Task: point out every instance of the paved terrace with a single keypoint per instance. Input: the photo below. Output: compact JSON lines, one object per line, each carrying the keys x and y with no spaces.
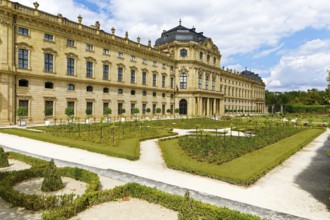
{"x":294,"y":190}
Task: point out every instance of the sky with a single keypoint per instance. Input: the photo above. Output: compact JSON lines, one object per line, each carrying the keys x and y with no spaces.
{"x":286,"y":42}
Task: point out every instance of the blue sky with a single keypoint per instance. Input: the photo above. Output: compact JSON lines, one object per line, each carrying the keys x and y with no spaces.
{"x":286,"y":42}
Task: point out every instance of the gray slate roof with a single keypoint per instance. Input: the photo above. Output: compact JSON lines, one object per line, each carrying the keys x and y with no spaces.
{"x":251,"y":75}
{"x":180,"y":33}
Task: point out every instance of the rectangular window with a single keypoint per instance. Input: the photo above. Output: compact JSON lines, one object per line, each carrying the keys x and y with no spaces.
{"x":154,"y":63}
{"x":172,"y":82}
{"x":120,"y":107}
{"x":70,"y":43}
{"x":89,"y":69}
{"x":163,"y":109}
{"x":120,"y":55}
{"x":105,"y":106}
{"x":132,"y":108}
{"x":144,"y":108}
{"x":48,"y":63}
{"x":163,"y":81}
{"x":144,"y":78}
{"x":49,"y":37}
{"x":70,"y":105}
{"x":105,"y":72}
{"x":132,"y":76}
{"x":164,"y":66}
{"x":200,"y":82}
{"x":120,"y":74}
{"x":24,"y":104}
{"x":213,"y":84}
{"x":70,"y":66}
{"x":154,"y":79}
{"x":153,"y":108}
{"x":106,"y":51}
{"x":144,"y":61}
{"x":133,"y":58}
{"x":49,"y":108}
{"x":172,"y":109}
{"x":23,"y":58}
{"x":23,"y":31}
{"x":89,"y":47}
{"x":89,"y":108}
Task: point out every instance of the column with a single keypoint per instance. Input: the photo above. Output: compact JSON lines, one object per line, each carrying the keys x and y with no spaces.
{"x":208,"y":107}
{"x":214,"y":106}
{"x":200,"y":106}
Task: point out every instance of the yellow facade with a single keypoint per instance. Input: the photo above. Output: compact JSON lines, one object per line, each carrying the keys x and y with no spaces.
{"x":49,"y":62}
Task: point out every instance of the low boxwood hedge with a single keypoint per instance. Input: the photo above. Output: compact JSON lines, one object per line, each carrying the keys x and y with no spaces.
{"x":36,"y":202}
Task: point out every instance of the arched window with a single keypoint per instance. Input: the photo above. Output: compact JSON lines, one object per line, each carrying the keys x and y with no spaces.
{"x":214,"y":60}
{"x":132,"y":92}
{"x":144,"y":93}
{"x":105,"y":90}
{"x":183,"y":53}
{"x":89,"y":89}
{"x":201,"y":55}
{"x":49,"y":85}
{"x":183,"y":81}
{"x":23,"y":83}
{"x":120,"y":91}
{"x":70,"y":87}
{"x":208,"y":58}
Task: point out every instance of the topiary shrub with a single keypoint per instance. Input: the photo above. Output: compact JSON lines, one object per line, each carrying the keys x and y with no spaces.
{"x":3,"y":158}
{"x":52,"y":181}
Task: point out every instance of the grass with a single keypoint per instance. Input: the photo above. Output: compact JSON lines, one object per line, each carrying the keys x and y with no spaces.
{"x":128,"y":148}
{"x":243,"y":170}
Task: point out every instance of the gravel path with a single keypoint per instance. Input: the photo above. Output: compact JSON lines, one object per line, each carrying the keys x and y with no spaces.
{"x":290,"y":188}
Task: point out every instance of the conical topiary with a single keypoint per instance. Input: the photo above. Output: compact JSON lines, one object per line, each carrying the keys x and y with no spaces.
{"x":52,"y":179}
{"x":3,"y":158}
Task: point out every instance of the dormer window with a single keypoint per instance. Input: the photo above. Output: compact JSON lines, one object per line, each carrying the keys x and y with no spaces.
{"x":201,"y":55}
{"x":183,"y":53}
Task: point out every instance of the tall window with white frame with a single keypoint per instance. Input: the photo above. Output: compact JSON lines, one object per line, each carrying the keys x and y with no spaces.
{"x":144,"y":78}
{"x":70,"y":66}
{"x":120,"y":74}
{"x":213,"y":83}
{"x":132,"y":108}
{"x":89,"y":108}
{"x":154,"y":79}
{"x":24,"y":104}
{"x":183,"y":81}
{"x":132,"y":76}
{"x":105,"y":72}
{"x":163,"y":81}
{"x":120,"y":108}
{"x":199,"y":81}
{"x":89,"y":69}
{"x":48,"y":62}
{"x":207,"y":82}
{"x":23,"y":58}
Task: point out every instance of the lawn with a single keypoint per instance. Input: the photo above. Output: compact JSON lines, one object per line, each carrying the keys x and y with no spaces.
{"x":243,"y":170}
{"x":128,"y":148}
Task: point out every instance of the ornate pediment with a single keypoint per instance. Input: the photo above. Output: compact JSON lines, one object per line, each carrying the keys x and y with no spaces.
{"x":49,"y":50}
{"x":209,"y":45}
{"x":24,"y":45}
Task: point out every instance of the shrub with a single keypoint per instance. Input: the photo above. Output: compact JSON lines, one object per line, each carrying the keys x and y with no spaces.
{"x":52,"y":181}
{"x":69,"y":111}
{"x":48,"y":112}
{"x":3,"y":158}
{"x":107,"y":111}
{"x":89,"y":111}
{"x":22,"y":111}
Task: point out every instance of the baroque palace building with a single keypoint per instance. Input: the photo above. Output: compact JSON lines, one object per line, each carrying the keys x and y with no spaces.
{"x":49,"y":63}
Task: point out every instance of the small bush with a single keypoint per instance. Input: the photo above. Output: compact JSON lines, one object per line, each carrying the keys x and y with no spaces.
{"x":3,"y":158}
{"x":52,"y":181}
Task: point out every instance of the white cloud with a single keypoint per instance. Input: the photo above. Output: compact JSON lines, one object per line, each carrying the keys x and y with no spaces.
{"x":302,"y":68}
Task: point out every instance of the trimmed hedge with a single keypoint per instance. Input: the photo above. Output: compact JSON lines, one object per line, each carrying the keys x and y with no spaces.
{"x":36,"y":202}
{"x":66,"y":206}
{"x":187,"y":207}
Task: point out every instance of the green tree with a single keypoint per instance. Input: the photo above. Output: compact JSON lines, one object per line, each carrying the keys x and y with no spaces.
{"x":69,"y":111}
{"x":3,"y":158}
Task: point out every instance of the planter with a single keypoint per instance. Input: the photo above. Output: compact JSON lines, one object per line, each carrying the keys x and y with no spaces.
{"x":22,"y":123}
{"x":122,"y":119}
{"x":47,"y":122}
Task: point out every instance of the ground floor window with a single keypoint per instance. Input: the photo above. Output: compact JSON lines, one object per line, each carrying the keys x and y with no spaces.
{"x":49,"y":108}
{"x":153,"y":108}
{"x":23,"y":108}
{"x":163,"y":109}
{"x":144,"y":108}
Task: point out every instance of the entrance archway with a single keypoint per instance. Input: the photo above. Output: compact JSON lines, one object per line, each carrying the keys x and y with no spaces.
{"x":183,"y":107}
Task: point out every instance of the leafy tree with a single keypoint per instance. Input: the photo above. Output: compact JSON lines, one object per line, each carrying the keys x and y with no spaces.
{"x":22,"y":111}
{"x":107,"y":111}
